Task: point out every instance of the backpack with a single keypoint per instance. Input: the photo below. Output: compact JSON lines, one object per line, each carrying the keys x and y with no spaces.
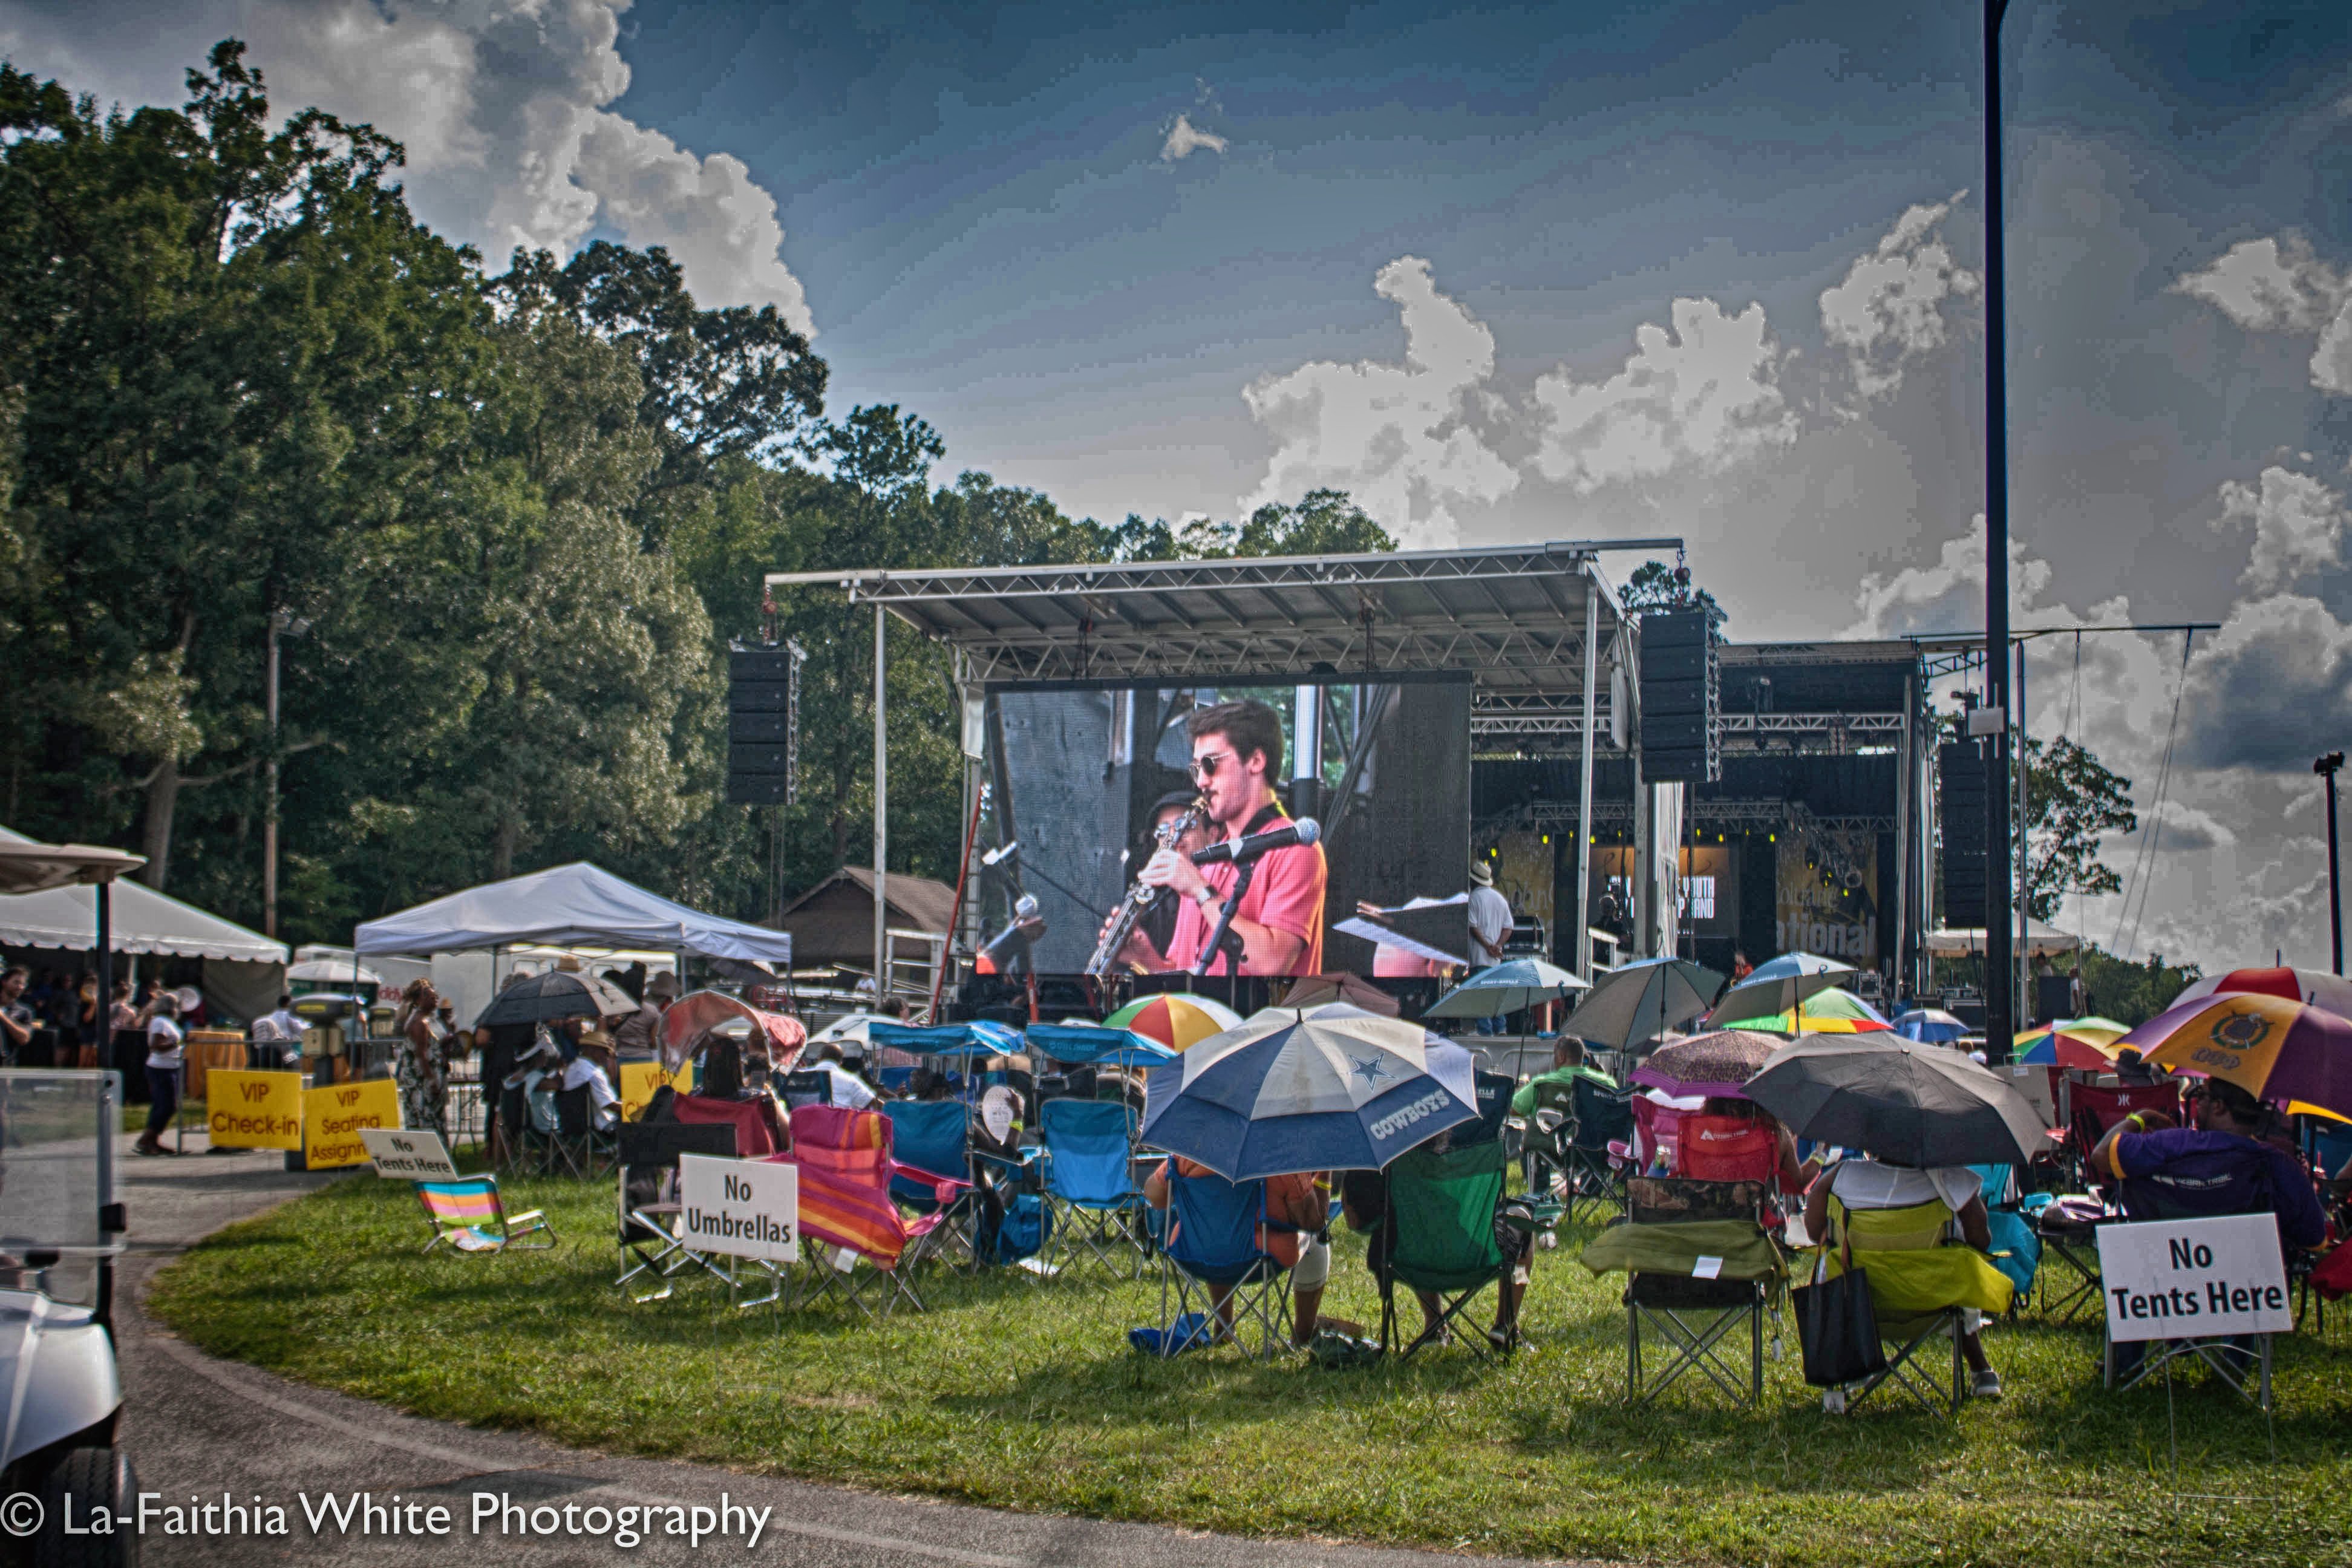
{"x":1023,"y":1233}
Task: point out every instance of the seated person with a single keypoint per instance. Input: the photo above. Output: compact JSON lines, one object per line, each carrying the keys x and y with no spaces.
{"x":1363,"y":1201}
{"x":1566,"y":1067}
{"x":2225,"y":1164}
{"x":1294,"y":1234}
{"x":581,"y":1070}
{"x":1867,"y":1183}
{"x":848,"y":1089}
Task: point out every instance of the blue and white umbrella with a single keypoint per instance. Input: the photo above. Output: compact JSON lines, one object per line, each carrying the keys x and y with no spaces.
{"x":1076,"y":1043}
{"x":1777,"y":986}
{"x":1511,"y":986}
{"x":1930,"y":1027}
{"x":1298,"y":1091}
{"x":980,"y":1038}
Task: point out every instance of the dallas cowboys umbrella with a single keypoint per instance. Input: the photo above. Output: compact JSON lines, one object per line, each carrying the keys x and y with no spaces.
{"x":1287,"y":1092}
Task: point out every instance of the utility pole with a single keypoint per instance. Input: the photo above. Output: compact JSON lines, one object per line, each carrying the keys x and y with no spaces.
{"x":282,"y":623}
{"x":2326,"y":768}
{"x":2000,"y":1006}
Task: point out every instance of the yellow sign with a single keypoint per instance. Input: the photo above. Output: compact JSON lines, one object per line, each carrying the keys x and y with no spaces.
{"x":640,"y":1079}
{"x":254,"y":1110}
{"x":332,"y":1117}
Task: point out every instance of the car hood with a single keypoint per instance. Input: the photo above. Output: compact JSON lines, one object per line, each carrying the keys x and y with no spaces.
{"x":57,"y":1373}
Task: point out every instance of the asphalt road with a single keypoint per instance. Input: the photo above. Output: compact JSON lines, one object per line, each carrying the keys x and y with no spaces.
{"x":199,"y":1429}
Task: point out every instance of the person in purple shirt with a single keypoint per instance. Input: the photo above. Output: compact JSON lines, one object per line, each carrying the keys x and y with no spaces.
{"x":2223,"y":1164}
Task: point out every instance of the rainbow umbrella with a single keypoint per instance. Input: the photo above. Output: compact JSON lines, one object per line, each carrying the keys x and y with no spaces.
{"x":1175,"y":1020}
{"x":2092,"y":1028}
{"x":2313,"y":987}
{"x":1830,"y":1012}
{"x":2271,"y":1047}
{"x":2058,"y":1044}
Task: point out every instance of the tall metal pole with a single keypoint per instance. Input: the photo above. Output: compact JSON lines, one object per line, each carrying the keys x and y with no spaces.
{"x":2326,"y":768}
{"x":2000,"y":1007}
{"x":269,"y":789}
{"x":2024,"y":876}
{"x":881,"y":812}
{"x":1584,"y":786}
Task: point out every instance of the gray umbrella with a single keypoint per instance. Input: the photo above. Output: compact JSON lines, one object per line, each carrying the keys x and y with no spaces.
{"x":1905,"y":1103}
{"x":559,"y":994}
{"x":1638,"y":1001}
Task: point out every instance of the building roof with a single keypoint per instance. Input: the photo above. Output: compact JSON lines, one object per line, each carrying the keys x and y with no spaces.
{"x":834,"y":921}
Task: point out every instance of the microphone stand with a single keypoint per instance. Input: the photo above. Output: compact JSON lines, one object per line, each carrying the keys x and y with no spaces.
{"x":1219,"y":934}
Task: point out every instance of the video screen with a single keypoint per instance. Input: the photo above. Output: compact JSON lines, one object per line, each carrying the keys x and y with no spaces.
{"x":1174,"y":815}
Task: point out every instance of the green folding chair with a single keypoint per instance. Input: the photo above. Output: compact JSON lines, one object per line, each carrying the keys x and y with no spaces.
{"x":1439,"y":1236}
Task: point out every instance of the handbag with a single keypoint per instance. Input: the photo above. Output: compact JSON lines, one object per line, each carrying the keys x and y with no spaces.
{"x":1837,"y":1327}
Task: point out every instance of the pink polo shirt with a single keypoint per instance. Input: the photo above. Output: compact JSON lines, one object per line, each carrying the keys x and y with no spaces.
{"x":1286,"y":895}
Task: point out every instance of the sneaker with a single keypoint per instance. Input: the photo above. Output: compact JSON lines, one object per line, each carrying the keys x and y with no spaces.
{"x":1988,"y":1385}
{"x":1833,"y":1402}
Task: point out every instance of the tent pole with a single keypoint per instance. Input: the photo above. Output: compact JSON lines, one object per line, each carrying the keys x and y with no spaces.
{"x":881,"y":811}
{"x":1584,"y":786}
{"x":105,"y":889}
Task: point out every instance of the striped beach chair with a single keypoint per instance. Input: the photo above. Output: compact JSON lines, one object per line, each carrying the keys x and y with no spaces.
{"x":847,"y":1217}
{"x":467,"y":1215}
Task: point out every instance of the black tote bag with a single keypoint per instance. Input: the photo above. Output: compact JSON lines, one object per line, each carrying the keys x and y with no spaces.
{"x":1837,"y":1326}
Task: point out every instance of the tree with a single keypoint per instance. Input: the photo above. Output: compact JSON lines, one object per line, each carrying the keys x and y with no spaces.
{"x":1656,"y":587}
{"x":2131,"y":993}
{"x":2071,"y":803}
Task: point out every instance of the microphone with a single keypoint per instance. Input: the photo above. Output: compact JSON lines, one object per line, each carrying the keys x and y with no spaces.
{"x":1306,"y":830}
{"x":999,"y":852}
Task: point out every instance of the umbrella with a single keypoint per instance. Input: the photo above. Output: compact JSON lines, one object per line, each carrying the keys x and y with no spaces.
{"x":2056,"y":1045}
{"x":1174,"y":1018}
{"x":2092,"y":1028}
{"x":1779,"y":986}
{"x":1510,"y":986}
{"x":1286,"y":1093}
{"x":1719,"y":1064}
{"x":1638,"y":1001}
{"x":1830,"y":1012}
{"x":1095,"y":1042}
{"x":559,"y":994}
{"x":26,"y":867}
{"x":2271,"y":1047}
{"x":2312,"y":987}
{"x":1930,"y":1025}
{"x":1905,"y":1103}
{"x":980,"y":1037}
{"x":334,"y":972}
{"x":689,"y":1021}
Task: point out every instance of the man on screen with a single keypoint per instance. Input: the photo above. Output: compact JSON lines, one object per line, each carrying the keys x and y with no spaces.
{"x":1279,"y":925}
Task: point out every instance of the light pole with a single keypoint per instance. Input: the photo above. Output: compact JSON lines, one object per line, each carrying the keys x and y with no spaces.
{"x":2326,"y":768}
{"x":282,"y":623}
{"x":2000,"y":1006}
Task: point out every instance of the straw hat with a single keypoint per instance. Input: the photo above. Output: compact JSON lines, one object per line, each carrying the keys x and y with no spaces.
{"x":1481,"y":875}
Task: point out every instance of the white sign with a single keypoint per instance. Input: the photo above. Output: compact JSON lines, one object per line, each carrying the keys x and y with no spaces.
{"x":409,"y":1156}
{"x":2194,"y":1279}
{"x":744,"y":1208}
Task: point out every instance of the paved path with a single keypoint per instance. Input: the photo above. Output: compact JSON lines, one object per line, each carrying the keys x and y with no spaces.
{"x":197,"y":1426}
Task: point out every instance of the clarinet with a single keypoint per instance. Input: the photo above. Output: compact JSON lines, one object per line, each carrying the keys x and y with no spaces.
{"x":1139,"y":898}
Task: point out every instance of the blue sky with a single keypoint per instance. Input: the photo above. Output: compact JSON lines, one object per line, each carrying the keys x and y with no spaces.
{"x":1515,"y":272}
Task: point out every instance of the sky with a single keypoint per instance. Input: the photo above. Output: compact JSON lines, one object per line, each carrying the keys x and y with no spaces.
{"x":1523,"y":272}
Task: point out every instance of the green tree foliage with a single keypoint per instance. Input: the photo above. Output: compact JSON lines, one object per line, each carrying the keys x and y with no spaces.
{"x":2071,"y":803}
{"x":1655,"y":587}
{"x":2131,"y":993}
{"x":508,"y":526}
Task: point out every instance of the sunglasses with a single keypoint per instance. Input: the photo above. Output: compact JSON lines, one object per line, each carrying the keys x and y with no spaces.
{"x":1205,"y":767}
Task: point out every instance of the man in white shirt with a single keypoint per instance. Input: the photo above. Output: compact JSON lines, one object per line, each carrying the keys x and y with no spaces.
{"x":848,"y":1089}
{"x":1490,"y":916}
{"x":277,"y":1038}
{"x":165,"y":1052}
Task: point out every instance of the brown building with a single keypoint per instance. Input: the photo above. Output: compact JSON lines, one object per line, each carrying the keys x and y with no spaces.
{"x":833,"y":922}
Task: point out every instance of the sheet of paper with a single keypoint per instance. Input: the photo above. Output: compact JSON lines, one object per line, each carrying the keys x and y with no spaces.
{"x":1373,"y":931}
{"x":1706,"y":1269}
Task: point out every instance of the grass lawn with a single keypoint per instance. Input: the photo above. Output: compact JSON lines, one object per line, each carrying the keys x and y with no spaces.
{"x":1020,"y":1396}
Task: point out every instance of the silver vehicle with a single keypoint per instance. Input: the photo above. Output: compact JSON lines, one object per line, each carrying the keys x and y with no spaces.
{"x":60,"y":1232}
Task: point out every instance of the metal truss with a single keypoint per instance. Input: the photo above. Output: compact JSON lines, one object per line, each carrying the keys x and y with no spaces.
{"x":1540,"y":657}
{"x":1715,"y":815}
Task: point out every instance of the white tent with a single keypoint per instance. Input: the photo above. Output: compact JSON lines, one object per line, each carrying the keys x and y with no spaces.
{"x":577,"y":905}
{"x":1969,"y":942}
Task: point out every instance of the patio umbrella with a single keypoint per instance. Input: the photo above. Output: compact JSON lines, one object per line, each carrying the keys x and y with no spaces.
{"x":1906,"y":1103}
{"x":1095,"y":1042}
{"x":1778,"y":986}
{"x":333,"y":972}
{"x":1830,"y":1012}
{"x":1719,"y":1064}
{"x":1284,"y":1093}
{"x":557,"y":994}
{"x":1510,"y":986}
{"x":1640,"y":1000}
{"x":2057,"y":1045}
{"x":980,"y":1037}
{"x":2273,"y":1047}
{"x":1930,"y":1025}
{"x":2092,"y":1028}
{"x":2312,"y":987}
{"x":1174,"y":1018}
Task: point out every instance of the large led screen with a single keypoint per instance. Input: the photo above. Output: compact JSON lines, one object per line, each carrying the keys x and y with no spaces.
{"x":1085,"y":783}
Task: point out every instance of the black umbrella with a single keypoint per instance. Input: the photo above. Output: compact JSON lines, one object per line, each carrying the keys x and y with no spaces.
{"x":1909,"y":1104}
{"x":559,"y":994}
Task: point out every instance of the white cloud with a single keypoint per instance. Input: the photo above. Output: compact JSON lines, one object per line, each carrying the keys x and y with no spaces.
{"x":2272,"y":689}
{"x":1184,"y":139}
{"x":2299,"y":526}
{"x":1396,"y":437}
{"x":1704,"y":393}
{"x":2281,"y":286}
{"x":1950,"y":594}
{"x":1889,"y":309}
{"x":504,"y":108}
{"x":2187,"y":826}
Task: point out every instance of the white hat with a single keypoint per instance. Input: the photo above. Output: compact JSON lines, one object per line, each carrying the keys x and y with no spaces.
{"x":1481,"y":875}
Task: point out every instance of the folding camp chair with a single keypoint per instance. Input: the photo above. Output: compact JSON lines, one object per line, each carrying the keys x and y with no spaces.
{"x":806,"y":1088}
{"x":1438,"y":1235}
{"x":1093,"y":1207}
{"x":1595,"y":1186}
{"x":1695,"y":1225}
{"x":846,"y":1210}
{"x":1223,"y":1285}
{"x":2243,"y":1361}
{"x":647,"y":1198}
{"x":467,"y":1216}
{"x":930,"y":1139}
{"x":1908,"y":1333}
{"x":577,"y":1147}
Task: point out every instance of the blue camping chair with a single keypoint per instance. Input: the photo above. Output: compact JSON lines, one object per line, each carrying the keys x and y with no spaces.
{"x":933,"y":1136}
{"x":2016,"y":1248}
{"x":1223,"y":1285}
{"x":1091,"y":1187}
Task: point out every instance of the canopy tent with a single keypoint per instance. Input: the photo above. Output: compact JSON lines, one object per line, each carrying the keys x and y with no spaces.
{"x":578,"y":905}
{"x":243,"y":969}
{"x":1969,"y":942}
